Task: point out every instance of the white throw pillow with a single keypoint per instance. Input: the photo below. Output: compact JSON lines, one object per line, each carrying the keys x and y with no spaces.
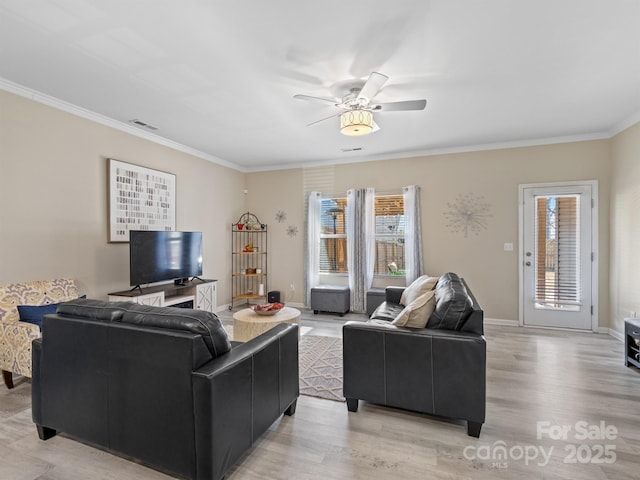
{"x":419,"y":286}
{"x":418,"y":312}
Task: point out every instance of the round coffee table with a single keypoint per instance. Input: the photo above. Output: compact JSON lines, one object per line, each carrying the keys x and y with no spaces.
{"x":247,"y":324}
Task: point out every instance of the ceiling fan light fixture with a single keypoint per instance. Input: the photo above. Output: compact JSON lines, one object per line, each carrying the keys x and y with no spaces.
{"x":356,"y":122}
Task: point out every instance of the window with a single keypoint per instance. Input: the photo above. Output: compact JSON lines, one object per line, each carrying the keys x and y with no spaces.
{"x":333,"y":235}
{"x":390,"y":226}
{"x":558,"y":252}
{"x":390,"y":223}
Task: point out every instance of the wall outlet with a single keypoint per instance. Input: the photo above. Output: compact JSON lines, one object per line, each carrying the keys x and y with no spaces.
{"x":292,"y":287}
{"x":508,"y":247}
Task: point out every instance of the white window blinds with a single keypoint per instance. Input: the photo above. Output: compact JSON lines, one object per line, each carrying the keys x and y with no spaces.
{"x":557,"y":252}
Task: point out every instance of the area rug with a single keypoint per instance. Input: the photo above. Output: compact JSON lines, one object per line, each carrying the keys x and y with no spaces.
{"x":321,"y":367}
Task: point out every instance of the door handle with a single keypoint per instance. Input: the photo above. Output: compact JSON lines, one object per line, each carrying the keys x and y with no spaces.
{"x":528,"y":264}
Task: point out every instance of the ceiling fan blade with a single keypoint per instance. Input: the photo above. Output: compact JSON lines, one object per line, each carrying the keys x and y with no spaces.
{"x":398,"y":106}
{"x":371,"y":88}
{"x":326,"y":101}
{"x":323,"y":119}
{"x":375,"y":128}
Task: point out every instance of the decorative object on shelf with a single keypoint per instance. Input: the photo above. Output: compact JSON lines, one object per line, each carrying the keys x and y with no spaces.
{"x":281,"y":216}
{"x":468,"y":213}
{"x":140,"y":198}
{"x":249,"y":274}
{"x":292,"y":231}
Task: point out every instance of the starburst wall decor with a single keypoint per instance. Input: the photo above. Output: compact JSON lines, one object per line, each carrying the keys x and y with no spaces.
{"x":281,"y":216}
{"x":469,"y":213}
{"x":292,"y":230}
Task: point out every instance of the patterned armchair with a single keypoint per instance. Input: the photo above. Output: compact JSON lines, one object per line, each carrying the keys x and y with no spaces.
{"x":16,"y":336}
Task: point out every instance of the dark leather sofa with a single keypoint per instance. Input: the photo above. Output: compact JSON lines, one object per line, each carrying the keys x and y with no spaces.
{"x":439,"y":370}
{"x":163,"y":386}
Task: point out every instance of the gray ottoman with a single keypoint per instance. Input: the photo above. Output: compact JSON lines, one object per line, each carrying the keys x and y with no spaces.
{"x":330,"y":298}
{"x":375,"y":297}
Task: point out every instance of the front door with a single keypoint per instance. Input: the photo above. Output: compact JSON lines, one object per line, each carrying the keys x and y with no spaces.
{"x":557,"y":256}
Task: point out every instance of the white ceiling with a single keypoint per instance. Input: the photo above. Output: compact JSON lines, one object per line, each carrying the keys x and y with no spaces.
{"x":218,"y":77}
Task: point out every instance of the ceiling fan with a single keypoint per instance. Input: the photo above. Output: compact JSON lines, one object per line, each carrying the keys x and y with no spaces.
{"x":357,"y":115}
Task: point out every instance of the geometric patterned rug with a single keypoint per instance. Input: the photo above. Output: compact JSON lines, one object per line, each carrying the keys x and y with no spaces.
{"x":320,"y":363}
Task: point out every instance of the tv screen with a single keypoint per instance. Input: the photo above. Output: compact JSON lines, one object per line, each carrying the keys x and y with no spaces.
{"x":155,"y":256}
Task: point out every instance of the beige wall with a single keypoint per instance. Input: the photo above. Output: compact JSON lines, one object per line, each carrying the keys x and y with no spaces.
{"x":53,"y":197}
{"x":269,"y":193}
{"x":625,"y":227}
{"x":53,"y":191}
{"x":494,"y":175}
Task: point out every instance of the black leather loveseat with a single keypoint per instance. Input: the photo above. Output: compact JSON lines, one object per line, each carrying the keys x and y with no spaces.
{"x":440,"y":369}
{"x":163,"y":386}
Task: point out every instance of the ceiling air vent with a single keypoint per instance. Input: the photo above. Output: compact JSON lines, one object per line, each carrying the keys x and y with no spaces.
{"x":356,"y":149}
{"x":140,"y":123}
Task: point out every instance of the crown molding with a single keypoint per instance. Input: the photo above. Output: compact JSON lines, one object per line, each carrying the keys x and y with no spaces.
{"x":50,"y":101}
{"x":130,"y":129}
{"x":440,"y":151}
{"x":624,"y":124}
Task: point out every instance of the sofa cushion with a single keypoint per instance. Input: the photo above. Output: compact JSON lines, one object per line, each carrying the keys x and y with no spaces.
{"x":386,"y":311}
{"x":453,"y":303}
{"x":418,"y":287}
{"x":417,"y":313}
{"x":197,"y":321}
{"x":94,"y":309}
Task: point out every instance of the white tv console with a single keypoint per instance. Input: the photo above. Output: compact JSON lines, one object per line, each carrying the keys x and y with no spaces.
{"x":201,"y":292}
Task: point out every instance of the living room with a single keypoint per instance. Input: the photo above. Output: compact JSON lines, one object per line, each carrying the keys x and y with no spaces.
{"x":53,"y":170}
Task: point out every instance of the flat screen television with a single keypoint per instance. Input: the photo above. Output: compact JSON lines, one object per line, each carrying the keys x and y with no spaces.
{"x":155,"y":256}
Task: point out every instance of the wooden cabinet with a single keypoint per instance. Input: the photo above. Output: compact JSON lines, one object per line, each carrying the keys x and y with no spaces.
{"x":249,"y":275}
{"x":197,"y":294}
{"x":206,"y":298}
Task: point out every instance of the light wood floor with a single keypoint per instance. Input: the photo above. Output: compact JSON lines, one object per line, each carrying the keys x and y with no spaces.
{"x":533,"y":376}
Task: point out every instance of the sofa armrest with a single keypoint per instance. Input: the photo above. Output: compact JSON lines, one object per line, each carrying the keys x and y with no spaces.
{"x":432,"y":371}
{"x":238,"y":395}
{"x":393,"y":294}
{"x":15,"y":346}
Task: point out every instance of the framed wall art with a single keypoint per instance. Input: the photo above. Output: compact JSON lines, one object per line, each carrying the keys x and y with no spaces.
{"x":140,"y":198}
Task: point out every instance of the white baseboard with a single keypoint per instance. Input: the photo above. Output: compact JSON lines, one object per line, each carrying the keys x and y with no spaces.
{"x":514,"y":323}
{"x":295,"y":305}
{"x":500,"y":321}
{"x":616,"y":334}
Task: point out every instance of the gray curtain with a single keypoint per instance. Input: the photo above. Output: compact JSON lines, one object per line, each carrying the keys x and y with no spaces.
{"x":356,"y":248}
{"x":413,"y":233}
